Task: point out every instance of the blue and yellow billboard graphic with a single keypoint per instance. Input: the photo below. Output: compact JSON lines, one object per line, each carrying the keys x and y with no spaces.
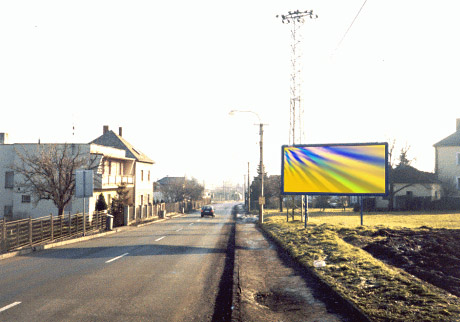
{"x":335,"y":169}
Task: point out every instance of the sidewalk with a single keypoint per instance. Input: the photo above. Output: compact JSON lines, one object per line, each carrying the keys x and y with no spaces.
{"x":52,"y":244}
{"x":270,"y":287}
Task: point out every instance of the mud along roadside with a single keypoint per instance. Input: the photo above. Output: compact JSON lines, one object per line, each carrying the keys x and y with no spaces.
{"x":270,"y":286}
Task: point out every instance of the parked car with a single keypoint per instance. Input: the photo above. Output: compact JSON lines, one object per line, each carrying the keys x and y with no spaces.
{"x":207,"y":211}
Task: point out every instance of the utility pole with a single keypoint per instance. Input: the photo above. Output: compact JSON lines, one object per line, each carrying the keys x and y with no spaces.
{"x":261,"y":196}
{"x":261,"y":173}
{"x":249,"y":192}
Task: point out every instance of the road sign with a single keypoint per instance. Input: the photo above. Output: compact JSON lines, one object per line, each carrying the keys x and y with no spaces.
{"x":84,"y":183}
{"x":261,"y":200}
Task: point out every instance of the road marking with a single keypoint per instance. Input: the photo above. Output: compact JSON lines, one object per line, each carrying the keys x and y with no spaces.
{"x":9,"y":306}
{"x":180,"y":229}
{"x":118,"y":257}
{"x":190,"y":224}
{"x":160,"y":238}
{"x":199,"y":220}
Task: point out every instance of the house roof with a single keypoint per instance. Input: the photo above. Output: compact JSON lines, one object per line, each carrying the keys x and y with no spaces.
{"x":451,"y":140}
{"x":111,"y":139}
{"x":170,"y":180}
{"x":408,"y":174}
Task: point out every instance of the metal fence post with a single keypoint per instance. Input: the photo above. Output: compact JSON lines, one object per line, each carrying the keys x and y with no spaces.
{"x":41,"y":228}
{"x":30,"y":231}
{"x":17,"y":234}
{"x":4,"y":246}
{"x":52,"y":226}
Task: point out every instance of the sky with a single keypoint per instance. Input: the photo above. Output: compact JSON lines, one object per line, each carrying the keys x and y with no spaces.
{"x":169,"y":73}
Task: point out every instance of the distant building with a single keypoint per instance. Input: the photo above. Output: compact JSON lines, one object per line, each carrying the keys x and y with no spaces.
{"x":117,"y":162}
{"x":447,"y":162}
{"x":163,"y":183}
{"x":412,"y":188}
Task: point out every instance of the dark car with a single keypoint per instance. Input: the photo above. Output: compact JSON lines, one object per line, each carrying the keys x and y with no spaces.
{"x":207,"y":211}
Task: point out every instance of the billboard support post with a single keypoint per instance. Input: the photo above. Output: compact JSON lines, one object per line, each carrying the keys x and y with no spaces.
{"x":361,"y":201}
{"x":287,"y":214}
{"x":306,"y":211}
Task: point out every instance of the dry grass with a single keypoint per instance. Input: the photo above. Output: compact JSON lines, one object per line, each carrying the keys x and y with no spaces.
{"x":383,"y":292}
{"x":409,"y":219}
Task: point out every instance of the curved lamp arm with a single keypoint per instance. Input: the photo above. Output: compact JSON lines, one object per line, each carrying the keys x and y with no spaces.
{"x":232,"y":112}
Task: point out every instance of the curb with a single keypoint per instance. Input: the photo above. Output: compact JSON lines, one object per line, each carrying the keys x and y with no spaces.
{"x":37,"y":248}
{"x":236,"y":313}
{"x":349,"y":305}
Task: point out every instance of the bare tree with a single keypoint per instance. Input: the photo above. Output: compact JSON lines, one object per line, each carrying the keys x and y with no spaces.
{"x":403,"y":160}
{"x":48,"y":173}
{"x":193,"y":189}
{"x":180,"y":189}
{"x":173,"y":191}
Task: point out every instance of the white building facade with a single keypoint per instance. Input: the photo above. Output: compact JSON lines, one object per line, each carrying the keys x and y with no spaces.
{"x":113,"y":165}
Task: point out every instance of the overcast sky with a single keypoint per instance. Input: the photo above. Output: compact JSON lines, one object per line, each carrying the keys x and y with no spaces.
{"x":169,"y":72}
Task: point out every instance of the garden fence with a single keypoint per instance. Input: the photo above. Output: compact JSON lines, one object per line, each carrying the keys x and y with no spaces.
{"x":33,"y":231}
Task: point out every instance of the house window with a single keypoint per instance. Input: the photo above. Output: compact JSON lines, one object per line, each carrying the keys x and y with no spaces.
{"x":142,"y":199}
{"x":148,"y":178}
{"x":458,"y":158}
{"x":9,"y":179}
{"x":25,"y":198}
{"x":142,"y":175}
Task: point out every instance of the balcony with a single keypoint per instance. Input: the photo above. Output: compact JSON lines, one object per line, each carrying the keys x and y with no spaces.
{"x":110,"y":181}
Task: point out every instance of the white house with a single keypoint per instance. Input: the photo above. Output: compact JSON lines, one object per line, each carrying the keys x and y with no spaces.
{"x":447,"y":161}
{"x":116,"y":162}
{"x":141,"y":168}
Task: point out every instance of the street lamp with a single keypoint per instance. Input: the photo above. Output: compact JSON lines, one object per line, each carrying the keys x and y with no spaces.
{"x":261,"y":170}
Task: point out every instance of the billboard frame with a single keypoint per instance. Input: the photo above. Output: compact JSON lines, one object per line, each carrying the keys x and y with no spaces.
{"x":385,"y":144}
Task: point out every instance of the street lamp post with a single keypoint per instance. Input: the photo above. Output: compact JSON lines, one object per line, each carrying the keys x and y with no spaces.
{"x":261,"y":169}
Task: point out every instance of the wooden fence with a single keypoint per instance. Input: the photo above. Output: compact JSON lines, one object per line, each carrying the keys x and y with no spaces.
{"x":29,"y":232}
{"x":150,"y":212}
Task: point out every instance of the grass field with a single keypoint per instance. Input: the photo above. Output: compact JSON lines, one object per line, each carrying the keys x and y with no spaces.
{"x":407,"y":219}
{"x":382,"y":291}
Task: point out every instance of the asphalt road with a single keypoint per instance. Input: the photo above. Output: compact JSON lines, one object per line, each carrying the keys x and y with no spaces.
{"x":175,"y":270}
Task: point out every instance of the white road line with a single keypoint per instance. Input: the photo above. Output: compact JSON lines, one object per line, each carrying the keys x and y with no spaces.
{"x":160,"y":238}
{"x":199,"y":220}
{"x":9,"y":306}
{"x":180,"y":229}
{"x":114,"y":259}
{"x":190,"y":224}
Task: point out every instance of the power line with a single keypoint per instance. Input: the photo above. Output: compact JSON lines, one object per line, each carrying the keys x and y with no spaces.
{"x":349,"y":27}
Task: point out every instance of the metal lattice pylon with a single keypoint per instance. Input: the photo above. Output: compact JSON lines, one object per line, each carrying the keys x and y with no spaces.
{"x":296,"y":110}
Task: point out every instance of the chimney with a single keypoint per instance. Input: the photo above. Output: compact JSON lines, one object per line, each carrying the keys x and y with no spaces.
{"x":120,"y":131}
{"x":105,"y":129}
{"x":458,"y":124}
{"x":3,"y":138}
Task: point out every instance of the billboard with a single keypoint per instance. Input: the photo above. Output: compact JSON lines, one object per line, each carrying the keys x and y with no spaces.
{"x":335,"y":169}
